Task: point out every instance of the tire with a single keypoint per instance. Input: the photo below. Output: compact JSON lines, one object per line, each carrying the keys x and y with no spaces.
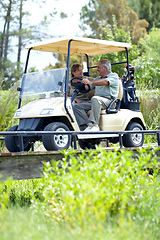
{"x":56,"y":142}
{"x":113,"y":140}
{"x":135,"y":139}
{"x":84,"y":144}
{"x":12,"y":142}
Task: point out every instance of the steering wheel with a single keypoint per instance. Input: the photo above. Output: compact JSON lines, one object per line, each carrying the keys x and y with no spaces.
{"x":79,"y":85}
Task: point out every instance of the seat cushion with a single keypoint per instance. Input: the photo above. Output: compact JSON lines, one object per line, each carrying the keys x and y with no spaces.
{"x":103,"y":112}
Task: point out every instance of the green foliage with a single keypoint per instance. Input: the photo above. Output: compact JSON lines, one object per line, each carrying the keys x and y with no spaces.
{"x":8,"y":106}
{"x":119,"y":35}
{"x":98,"y":186}
{"x":95,"y":195}
{"x":21,"y":193}
{"x":145,"y":54}
{"x":150,"y":109}
{"x":9,"y":73}
{"x":147,"y":9}
{"x":148,"y":75}
{"x":24,"y":223}
{"x":97,"y":14}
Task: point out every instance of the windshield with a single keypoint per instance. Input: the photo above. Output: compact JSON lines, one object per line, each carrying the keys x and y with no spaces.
{"x":43,"y":84}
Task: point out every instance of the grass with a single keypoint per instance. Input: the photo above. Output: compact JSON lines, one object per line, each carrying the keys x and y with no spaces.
{"x":150,"y":108}
{"x":98,"y":195}
{"x":24,"y":224}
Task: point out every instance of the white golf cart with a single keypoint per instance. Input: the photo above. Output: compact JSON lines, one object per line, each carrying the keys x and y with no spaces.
{"x":45,"y":106}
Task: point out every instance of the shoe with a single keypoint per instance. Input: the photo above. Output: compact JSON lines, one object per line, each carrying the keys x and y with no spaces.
{"x":95,"y":128}
{"x":90,"y":125}
{"x":87,"y":129}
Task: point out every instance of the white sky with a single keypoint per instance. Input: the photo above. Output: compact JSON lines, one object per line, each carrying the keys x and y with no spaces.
{"x":61,"y":27}
{"x":58,"y":27}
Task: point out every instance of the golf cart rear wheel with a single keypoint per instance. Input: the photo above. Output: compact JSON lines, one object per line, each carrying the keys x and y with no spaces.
{"x":12,"y":142}
{"x":135,"y":139}
{"x":56,"y":142}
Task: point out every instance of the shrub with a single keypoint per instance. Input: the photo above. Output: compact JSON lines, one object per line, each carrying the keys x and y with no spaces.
{"x":94,"y":193}
{"x":148,"y":75}
{"x":8,"y":106}
{"x":98,"y":186}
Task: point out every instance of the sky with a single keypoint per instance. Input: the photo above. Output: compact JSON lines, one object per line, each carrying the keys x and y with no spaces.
{"x":62,"y":27}
{"x":58,"y":27}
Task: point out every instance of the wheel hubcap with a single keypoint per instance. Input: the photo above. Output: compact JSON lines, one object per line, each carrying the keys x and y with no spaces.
{"x":61,"y":140}
{"x":136,"y":137}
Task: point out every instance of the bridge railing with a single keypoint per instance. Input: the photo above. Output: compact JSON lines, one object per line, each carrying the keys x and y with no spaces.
{"x":22,"y":134}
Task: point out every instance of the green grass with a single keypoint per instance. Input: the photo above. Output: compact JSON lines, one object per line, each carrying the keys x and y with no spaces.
{"x":24,"y":224}
{"x":150,"y":108}
{"x":98,"y":195}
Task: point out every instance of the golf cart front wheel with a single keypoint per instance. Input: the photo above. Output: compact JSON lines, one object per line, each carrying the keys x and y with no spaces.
{"x":12,"y":142}
{"x":135,"y":139}
{"x":56,"y":142}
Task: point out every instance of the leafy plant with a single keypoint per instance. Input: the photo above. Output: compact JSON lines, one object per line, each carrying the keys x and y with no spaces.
{"x":98,"y":186}
{"x":94,"y":195}
{"x":148,"y":75}
{"x":8,"y":106}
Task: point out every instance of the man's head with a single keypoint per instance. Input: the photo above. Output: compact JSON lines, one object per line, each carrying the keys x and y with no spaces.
{"x":104,"y":67}
{"x":76,"y":70}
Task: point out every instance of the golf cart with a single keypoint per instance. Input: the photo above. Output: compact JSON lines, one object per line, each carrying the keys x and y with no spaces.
{"x":44,"y":104}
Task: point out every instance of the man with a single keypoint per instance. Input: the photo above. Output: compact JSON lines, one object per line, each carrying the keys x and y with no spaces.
{"x":106,"y":89}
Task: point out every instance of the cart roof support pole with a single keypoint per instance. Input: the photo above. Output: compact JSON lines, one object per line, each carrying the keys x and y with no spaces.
{"x":67,"y":80}
{"x":25,"y":70}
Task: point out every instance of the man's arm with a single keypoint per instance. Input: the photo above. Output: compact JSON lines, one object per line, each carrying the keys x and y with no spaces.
{"x":99,"y":82}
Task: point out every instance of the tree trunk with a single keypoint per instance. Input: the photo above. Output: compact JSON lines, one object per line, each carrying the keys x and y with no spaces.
{"x":2,"y":39}
{"x":8,"y":19}
{"x":20,"y":34}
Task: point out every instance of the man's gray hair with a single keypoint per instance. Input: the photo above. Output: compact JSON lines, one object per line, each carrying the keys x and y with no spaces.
{"x":106,"y":63}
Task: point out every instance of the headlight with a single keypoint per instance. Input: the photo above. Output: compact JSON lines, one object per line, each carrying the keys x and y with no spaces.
{"x":47,"y":112}
{"x":17,"y":113}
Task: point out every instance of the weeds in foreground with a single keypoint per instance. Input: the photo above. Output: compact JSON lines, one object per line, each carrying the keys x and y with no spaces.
{"x":100,"y":186}
{"x":96,"y":193}
{"x":151,"y":112}
{"x":150,"y":108}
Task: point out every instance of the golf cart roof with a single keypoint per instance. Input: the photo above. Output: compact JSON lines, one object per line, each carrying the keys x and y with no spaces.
{"x":79,"y":45}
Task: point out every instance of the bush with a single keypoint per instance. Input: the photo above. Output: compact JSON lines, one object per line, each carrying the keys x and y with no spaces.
{"x":95,"y":195}
{"x":8,"y":106}
{"x":150,"y":108}
{"x":148,"y":75}
{"x":20,"y":193}
{"x":98,"y":186}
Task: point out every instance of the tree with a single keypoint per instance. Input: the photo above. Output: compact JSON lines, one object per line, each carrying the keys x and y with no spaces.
{"x":137,"y":27}
{"x":148,"y":10}
{"x":15,"y":26}
{"x":21,"y":14}
{"x":98,"y":13}
{"x":148,"y":75}
{"x":4,"y":38}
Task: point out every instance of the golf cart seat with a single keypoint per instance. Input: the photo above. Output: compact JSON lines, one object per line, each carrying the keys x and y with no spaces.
{"x":114,"y":106}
